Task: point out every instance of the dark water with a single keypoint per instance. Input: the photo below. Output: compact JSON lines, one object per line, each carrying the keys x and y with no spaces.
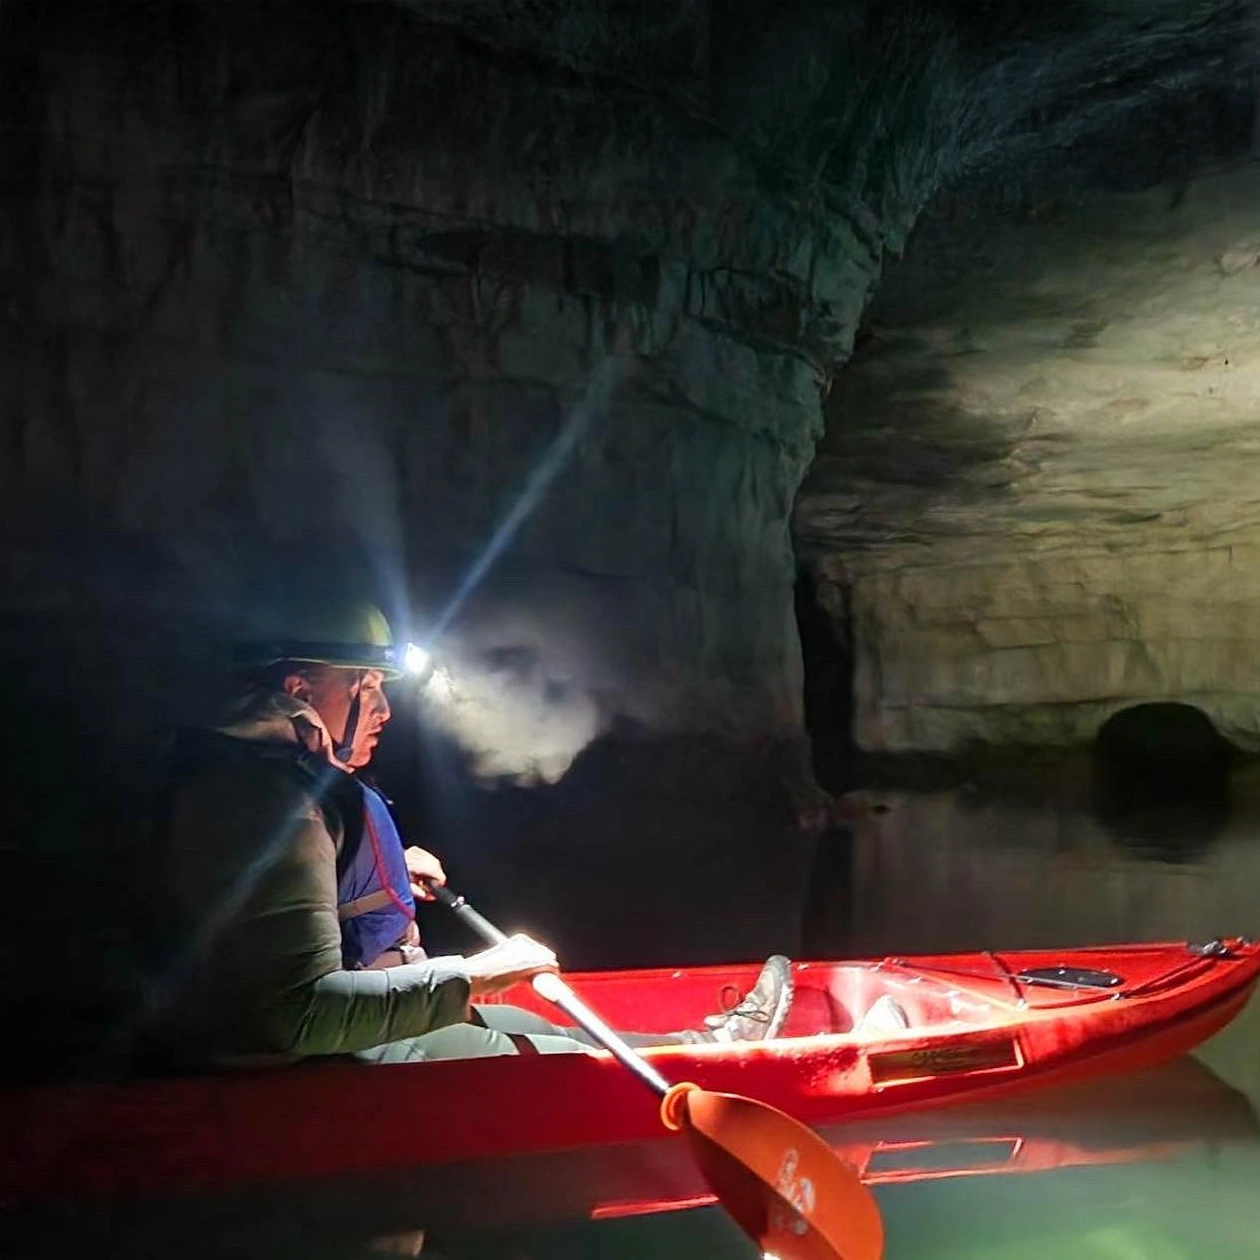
{"x":1158,"y":1167}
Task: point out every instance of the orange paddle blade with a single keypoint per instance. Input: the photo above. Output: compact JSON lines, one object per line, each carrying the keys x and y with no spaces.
{"x":785,"y":1187}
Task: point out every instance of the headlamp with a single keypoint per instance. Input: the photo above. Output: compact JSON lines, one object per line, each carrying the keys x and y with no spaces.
{"x":417,"y":662}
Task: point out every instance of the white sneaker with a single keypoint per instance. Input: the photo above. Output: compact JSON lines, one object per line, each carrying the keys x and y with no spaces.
{"x":759,"y":1014}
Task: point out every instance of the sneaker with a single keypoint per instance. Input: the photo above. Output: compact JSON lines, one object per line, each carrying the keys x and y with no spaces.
{"x":760,"y":1013}
{"x":883,"y":1018}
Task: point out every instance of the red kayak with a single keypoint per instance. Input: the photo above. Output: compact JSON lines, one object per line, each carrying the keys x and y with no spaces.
{"x":975,"y":1024}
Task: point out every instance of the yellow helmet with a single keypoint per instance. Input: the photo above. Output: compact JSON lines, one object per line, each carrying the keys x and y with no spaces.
{"x":351,"y":634}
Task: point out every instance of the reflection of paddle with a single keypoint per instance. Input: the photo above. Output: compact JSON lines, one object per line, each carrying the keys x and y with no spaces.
{"x":781,"y":1182}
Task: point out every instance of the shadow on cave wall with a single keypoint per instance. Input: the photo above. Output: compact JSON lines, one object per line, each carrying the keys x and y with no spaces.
{"x":827,"y":667}
{"x":1160,"y":779}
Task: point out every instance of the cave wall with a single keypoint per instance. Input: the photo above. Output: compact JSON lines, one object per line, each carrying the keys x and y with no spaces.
{"x":1042,"y":650}
{"x":334,"y":286}
{"x":1036,"y":502}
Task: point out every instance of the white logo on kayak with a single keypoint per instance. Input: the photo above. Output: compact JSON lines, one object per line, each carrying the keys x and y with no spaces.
{"x":798,"y":1191}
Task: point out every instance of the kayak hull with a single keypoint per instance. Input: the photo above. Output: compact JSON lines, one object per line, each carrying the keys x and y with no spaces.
{"x":1178,"y":1112}
{"x":980,"y":1025}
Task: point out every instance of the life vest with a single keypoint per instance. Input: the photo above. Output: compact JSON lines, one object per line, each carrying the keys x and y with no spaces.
{"x":374,"y":901}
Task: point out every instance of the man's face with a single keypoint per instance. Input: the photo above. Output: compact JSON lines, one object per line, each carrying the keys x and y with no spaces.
{"x":331,"y":690}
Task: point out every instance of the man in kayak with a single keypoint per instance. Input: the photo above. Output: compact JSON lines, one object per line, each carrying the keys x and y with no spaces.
{"x":293,"y":899}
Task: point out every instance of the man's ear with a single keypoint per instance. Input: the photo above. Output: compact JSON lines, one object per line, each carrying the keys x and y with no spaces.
{"x":297,"y":685}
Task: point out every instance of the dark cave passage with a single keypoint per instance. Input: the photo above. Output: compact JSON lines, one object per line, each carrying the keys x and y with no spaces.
{"x":1160,"y":778}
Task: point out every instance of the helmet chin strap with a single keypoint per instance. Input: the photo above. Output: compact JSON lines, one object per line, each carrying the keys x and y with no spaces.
{"x":345,"y":747}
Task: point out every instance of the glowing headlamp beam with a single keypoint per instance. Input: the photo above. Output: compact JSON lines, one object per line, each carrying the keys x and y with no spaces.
{"x":554,"y":458}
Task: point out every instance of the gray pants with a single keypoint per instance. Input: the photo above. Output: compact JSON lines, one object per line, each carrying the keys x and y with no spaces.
{"x":505,"y":1028}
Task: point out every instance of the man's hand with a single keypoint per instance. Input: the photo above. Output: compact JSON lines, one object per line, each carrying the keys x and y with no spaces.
{"x":508,"y":963}
{"x":424,"y":869}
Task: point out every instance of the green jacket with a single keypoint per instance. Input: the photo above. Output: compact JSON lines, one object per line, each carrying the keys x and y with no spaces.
{"x":252,"y":970}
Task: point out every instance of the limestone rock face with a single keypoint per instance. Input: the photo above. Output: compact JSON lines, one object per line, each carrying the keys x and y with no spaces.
{"x":300,"y":282}
{"x":1038,"y":501}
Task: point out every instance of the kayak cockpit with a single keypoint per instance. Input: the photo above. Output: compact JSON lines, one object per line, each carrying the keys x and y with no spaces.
{"x":851,"y":998}
{"x":870,"y":1001}
{"x":883,"y":998}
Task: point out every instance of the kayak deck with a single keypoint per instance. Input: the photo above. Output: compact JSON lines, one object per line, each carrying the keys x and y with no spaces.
{"x":936,"y":992}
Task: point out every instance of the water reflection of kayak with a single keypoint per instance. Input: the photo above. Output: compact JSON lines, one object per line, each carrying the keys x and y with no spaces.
{"x":1014,"y":1152}
{"x":1135,"y":1167}
{"x":975,"y":1025}
{"x":1165,"y":1113}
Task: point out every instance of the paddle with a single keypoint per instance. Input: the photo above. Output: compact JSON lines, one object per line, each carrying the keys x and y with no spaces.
{"x":783,"y":1185}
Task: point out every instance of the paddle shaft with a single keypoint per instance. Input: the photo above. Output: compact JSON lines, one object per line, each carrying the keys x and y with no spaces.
{"x":550,"y":986}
